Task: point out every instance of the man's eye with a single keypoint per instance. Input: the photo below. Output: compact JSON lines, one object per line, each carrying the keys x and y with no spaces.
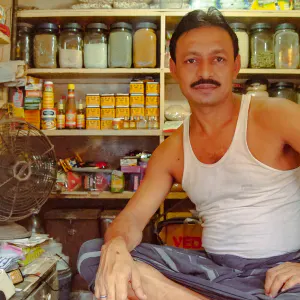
{"x":191,"y":61}
{"x":220,"y":59}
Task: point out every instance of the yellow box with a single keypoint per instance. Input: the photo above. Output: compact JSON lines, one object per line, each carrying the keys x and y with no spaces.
{"x":33,"y":116}
{"x":93,"y":112}
{"x":122,"y":100}
{"x":106,"y":124}
{"x":92,"y":99}
{"x":137,"y":111}
{"x":122,"y":112}
{"x":152,"y":88}
{"x":137,"y":100}
{"x":108,"y":101}
{"x":18,"y":112}
{"x":108,"y":113}
{"x":152,"y":100}
{"x":93,"y":123}
{"x":137,"y":87}
{"x":152,"y":111}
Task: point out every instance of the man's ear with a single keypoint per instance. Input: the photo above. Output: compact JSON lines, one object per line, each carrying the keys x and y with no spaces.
{"x":237,"y":66}
{"x":173,"y":69}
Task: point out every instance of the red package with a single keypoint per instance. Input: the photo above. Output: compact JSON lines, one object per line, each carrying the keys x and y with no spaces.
{"x":74,"y":182}
{"x":102,"y":182}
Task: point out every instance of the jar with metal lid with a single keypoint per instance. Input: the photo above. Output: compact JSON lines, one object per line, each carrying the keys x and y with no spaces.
{"x":120,"y":45}
{"x":71,"y":46}
{"x":144,"y":45}
{"x":261,"y":46}
{"x":240,"y":30}
{"x":286,"y":42}
{"x":45,"y":46}
{"x":95,"y":46}
{"x":257,"y":87}
{"x":24,"y":46}
{"x":283,"y":90}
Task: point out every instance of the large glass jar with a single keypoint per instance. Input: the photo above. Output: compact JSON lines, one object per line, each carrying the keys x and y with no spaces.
{"x":240,"y":30}
{"x":71,"y":46}
{"x":286,"y":42}
{"x":120,"y":45}
{"x":45,"y":46}
{"x":24,"y":46}
{"x":283,"y":90}
{"x":95,"y":46}
{"x":144,"y":45}
{"x":261,"y":46}
{"x":257,"y":87}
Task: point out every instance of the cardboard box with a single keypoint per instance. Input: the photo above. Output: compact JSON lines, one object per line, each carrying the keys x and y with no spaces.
{"x":92,"y":100}
{"x":32,"y":116}
{"x":152,"y":111}
{"x":152,"y":88}
{"x":122,"y":112}
{"x":152,"y":100}
{"x":137,"y":100}
{"x":106,"y":124}
{"x":93,"y":112}
{"x":33,"y":94}
{"x":93,"y":123}
{"x":122,"y":100}
{"x":125,"y":162}
{"x":131,"y":169}
{"x":136,"y":87}
{"x":137,"y":112}
{"x":108,"y":101}
{"x":108,"y":113}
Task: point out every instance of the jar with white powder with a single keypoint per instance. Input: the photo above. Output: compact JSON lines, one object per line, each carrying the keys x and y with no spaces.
{"x":240,"y":30}
{"x":71,"y":46}
{"x":95,"y":46}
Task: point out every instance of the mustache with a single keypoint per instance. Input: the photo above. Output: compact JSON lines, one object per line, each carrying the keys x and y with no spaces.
{"x":206,"y":81}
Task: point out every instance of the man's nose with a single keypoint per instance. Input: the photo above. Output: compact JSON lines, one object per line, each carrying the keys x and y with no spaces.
{"x":205,"y":70}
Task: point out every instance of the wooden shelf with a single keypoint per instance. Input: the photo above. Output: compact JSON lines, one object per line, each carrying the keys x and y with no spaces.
{"x":4,"y":39}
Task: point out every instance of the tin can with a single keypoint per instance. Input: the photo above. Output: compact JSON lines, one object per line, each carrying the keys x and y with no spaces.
{"x":48,"y":117}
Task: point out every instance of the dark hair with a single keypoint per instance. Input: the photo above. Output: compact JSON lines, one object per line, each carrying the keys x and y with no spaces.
{"x":198,"y":19}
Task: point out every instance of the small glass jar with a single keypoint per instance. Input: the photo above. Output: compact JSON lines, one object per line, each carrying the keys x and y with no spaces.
{"x":286,"y":42}
{"x":117,"y":123}
{"x":71,"y":46}
{"x":95,"y":46}
{"x":283,"y":90}
{"x":144,"y":45}
{"x":45,"y":46}
{"x":257,"y":87}
{"x":240,"y":30}
{"x":24,"y":46}
{"x":261,"y":46}
{"x":120,"y":45}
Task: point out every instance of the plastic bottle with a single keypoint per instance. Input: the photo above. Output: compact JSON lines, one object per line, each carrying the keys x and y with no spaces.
{"x":71,"y":108}
{"x":80,"y":119}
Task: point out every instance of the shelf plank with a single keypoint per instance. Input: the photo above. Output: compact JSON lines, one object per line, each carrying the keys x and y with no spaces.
{"x":4,"y":39}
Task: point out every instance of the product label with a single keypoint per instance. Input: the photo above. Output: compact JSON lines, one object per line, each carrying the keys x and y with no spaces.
{"x":71,"y":119}
{"x":61,"y":121}
{"x":80,"y":121}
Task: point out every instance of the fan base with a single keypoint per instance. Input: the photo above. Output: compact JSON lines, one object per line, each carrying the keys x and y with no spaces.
{"x":13,"y":231}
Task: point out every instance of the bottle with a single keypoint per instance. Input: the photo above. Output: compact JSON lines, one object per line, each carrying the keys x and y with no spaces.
{"x":80,"y":119}
{"x":71,"y":108}
{"x":132,"y":123}
{"x":142,"y":123}
{"x":61,"y":116}
{"x":155,"y":123}
{"x":150,"y":122}
{"x":126,"y":124}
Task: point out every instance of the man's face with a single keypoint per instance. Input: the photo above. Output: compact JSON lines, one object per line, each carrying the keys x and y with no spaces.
{"x":205,"y":65}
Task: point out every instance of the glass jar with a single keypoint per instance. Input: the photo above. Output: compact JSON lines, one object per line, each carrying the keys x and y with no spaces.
{"x":257,"y":87}
{"x":45,"y":46}
{"x":95,"y":46}
{"x":296,"y":4}
{"x":144,"y":45}
{"x":24,"y":46}
{"x":71,"y":46}
{"x":238,"y":88}
{"x":120,"y":46}
{"x":240,"y":30}
{"x":286,"y":42}
{"x":298,"y":94}
{"x":261,"y":46}
{"x":283,"y":90}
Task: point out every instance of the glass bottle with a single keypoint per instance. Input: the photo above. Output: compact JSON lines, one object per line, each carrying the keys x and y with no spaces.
{"x":61,"y":115}
{"x":257,"y":87}
{"x":24,"y":46}
{"x":71,"y":108}
{"x":283,"y":90}
{"x":142,"y":123}
{"x":132,"y":123}
{"x":126,"y":124}
{"x":156,"y":123}
{"x":80,"y":117}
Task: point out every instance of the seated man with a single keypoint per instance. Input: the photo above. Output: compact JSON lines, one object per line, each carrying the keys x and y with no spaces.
{"x":237,"y":158}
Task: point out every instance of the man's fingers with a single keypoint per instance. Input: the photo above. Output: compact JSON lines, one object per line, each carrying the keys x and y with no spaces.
{"x":294,"y":280}
{"x":271,"y":274}
{"x":278,"y":283}
{"x":110,"y":285}
{"x":122,"y":288}
{"x":136,"y":284}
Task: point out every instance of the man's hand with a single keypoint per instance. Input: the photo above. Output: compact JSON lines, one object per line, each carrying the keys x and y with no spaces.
{"x":282,"y":277}
{"x":116,"y":270}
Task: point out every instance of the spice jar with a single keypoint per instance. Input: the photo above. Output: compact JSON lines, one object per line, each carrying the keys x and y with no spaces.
{"x":95,"y":46}
{"x":283,"y":90}
{"x":24,"y":46}
{"x":45,"y":46}
{"x":240,"y":30}
{"x":286,"y":42}
{"x":71,"y":46}
{"x":144,"y":45}
{"x":257,"y":87}
{"x":120,"y":46}
{"x":261,"y":46}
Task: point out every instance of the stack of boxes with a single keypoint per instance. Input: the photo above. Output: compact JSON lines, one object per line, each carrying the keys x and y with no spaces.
{"x":137,"y":99}
{"x":93,"y":111}
{"x":108,"y":110}
{"x":122,"y":106}
{"x":152,"y":99}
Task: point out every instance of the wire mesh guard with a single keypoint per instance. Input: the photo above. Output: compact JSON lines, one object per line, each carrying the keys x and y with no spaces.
{"x":27,"y":169}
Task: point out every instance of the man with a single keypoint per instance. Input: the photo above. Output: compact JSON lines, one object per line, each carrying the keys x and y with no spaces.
{"x":237,"y":158}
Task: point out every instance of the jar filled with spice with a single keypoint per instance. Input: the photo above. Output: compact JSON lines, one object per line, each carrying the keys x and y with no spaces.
{"x":95,"y":46}
{"x":257,"y":87}
{"x":24,"y":44}
{"x":261,"y":46}
{"x":144,"y":45}
{"x":71,"y":46}
{"x":283,"y":90}
{"x":286,"y":42}
{"x":120,"y":45}
{"x":45,"y":46}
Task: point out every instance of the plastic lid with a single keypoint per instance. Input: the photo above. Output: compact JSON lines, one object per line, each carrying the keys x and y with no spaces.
{"x":260,"y":26}
{"x":146,"y":25}
{"x":238,"y":26}
{"x":51,"y":26}
{"x":282,"y":84}
{"x":286,"y":26}
{"x":72,"y":26}
{"x":257,"y":80}
{"x":48,"y":82}
{"x":97,"y":26}
{"x":71,"y":86}
{"x":121,"y":25}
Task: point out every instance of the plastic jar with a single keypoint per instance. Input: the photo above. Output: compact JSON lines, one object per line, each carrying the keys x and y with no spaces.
{"x":257,"y":87}
{"x":240,"y":30}
{"x":71,"y":46}
{"x":286,"y":42}
{"x":261,"y":46}
{"x":24,"y":47}
{"x":144,"y":45}
{"x":95,"y":46}
{"x":120,"y":46}
{"x":283,"y":90}
{"x":45,"y":46}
